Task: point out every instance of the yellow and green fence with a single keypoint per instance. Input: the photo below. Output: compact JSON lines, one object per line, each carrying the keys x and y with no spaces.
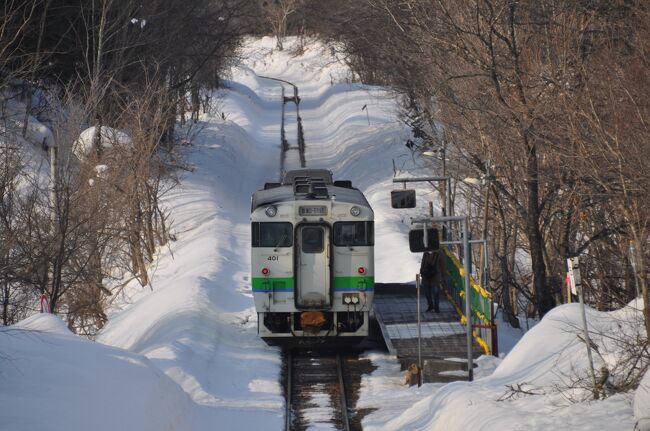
{"x":483,"y":327}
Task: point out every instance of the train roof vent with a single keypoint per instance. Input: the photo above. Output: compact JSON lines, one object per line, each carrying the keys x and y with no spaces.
{"x":320,"y":191}
{"x":311,"y":189}
{"x":322,"y":175}
{"x":347,"y":184}
{"x":268,"y":186}
{"x":301,"y":188}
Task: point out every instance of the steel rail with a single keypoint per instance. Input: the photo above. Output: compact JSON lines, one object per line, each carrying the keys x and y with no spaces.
{"x":344,"y":403}
{"x":288,"y":394}
{"x":300,"y":131}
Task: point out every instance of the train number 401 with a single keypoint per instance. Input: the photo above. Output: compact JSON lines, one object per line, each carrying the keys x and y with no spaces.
{"x":272,"y":258}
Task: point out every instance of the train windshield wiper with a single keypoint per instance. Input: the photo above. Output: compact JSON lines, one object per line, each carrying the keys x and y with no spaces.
{"x":280,"y":242}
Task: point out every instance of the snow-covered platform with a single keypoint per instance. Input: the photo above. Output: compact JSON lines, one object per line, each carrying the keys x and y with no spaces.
{"x":444,"y":340}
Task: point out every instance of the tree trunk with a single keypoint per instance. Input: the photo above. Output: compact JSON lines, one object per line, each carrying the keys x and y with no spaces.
{"x":564,"y":246}
{"x":501,"y":255}
{"x":543,"y":296}
{"x":643,"y":282}
{"x":5,"y":302}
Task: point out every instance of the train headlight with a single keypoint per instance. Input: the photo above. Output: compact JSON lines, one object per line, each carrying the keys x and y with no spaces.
{"x":265,"y":271}
{"x":347,"y":300}
{"x":271,"y":211}
{"x":361,"y":270}
{"x":355,"y":299}
{"x":355,"y":211}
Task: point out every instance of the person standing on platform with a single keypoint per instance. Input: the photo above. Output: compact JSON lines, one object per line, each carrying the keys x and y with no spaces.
{"x":432,"y":270}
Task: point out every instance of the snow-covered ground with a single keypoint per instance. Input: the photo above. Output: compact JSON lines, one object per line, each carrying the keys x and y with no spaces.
{"x":184,"y":355}
{"x":543,"y":383}
{"x":51,"y":379}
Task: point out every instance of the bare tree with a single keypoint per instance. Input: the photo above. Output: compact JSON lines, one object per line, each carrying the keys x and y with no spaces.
{"x":114,"y":65}
{"x":277,"y":13}
{"x":550,"y":96}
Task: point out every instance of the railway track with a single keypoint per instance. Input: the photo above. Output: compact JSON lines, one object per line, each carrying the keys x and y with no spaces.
{"x":315,"y":386}
{"x":288,"y":118}
{"x":320,"y":387}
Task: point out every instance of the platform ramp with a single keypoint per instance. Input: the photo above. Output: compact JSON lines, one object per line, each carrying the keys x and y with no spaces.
{"x":444,"y":339}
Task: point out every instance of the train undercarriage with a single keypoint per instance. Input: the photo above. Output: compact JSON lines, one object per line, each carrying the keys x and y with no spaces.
{"x":313,"y":326}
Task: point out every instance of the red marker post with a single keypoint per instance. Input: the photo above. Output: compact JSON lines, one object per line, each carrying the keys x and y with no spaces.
{"x":45,"y":304}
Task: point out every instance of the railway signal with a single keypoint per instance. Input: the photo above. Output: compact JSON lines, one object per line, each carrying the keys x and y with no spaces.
{"x":424,"y":239}
{"x":406,"y":198}
{"x":402,"y":198}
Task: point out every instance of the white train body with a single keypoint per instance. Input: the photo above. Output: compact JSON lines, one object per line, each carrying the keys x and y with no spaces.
{"x":312,"y":258}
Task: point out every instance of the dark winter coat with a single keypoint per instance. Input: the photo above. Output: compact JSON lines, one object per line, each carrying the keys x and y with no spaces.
{"x":433,"y":265}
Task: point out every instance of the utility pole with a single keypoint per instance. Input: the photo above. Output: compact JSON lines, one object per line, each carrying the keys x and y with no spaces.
{"x":53,"y":193}
{"x":576,"y":283}
{"x":53,"y":183}
{"x":444,"y":191}
{"x":418,"y":283}
{"x":483,"y":275}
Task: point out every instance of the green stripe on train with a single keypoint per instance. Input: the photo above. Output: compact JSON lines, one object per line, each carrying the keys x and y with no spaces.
{"x":354,"y":283}
{"x":284,"y":284}
{"x":268,"y":284}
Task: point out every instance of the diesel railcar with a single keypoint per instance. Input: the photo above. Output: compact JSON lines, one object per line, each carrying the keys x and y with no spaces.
{"x":312,"y":259}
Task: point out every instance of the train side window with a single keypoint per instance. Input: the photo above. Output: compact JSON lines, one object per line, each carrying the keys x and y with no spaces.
{"x":354,"y":233}
{"x":272,"y":234}
{"x":312,"y":239}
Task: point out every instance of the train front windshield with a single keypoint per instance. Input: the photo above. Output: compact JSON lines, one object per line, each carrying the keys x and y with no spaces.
{"x":355,"y":233}
{"x":272,"y":234}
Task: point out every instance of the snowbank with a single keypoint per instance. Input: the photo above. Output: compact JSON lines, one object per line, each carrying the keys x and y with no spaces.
{"x":30,"y":150}
{"x":642,"y":403}
{"x":540,"y":385}
{"x":109,"y":138}
{"x":37,"y":133}
{"x":54,"y":380}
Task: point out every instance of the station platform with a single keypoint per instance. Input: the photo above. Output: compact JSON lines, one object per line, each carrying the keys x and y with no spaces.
{"x":444,"y":340}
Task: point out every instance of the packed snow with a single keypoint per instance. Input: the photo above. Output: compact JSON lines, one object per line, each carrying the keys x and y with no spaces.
{"x":184,"y":354}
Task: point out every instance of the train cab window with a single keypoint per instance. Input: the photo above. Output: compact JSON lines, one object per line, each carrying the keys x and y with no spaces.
{"x":272,"y":234}
{"x":354,"y":233}
{"x":312,"y":239}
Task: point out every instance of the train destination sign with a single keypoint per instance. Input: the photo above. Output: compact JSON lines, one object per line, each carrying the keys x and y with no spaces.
{"x":313,"y":211}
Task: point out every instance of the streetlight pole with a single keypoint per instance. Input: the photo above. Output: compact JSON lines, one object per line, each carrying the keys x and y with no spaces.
{"x":483,"y":276}
{"x":418,"y":283}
